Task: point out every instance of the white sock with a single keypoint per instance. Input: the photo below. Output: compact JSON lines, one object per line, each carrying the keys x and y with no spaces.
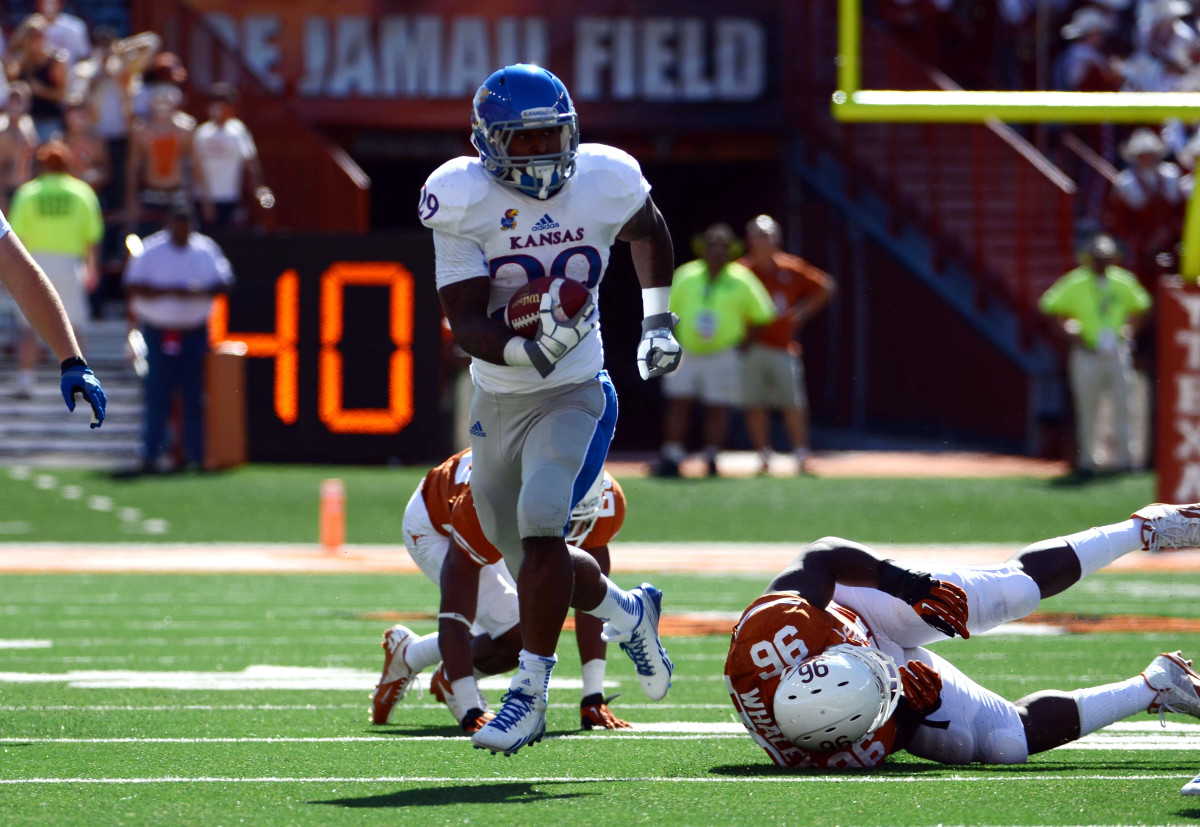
{"x":1097,"y":547}
{"x":422,"y":653}
{"x":25,"y":379}
{"x":593,"y":677}
{"x":1100,"y":706}
{"x":619,"y":607}
{"x":673,"y":451}
{"x":464,"y":696}
{"x":533,"y":676}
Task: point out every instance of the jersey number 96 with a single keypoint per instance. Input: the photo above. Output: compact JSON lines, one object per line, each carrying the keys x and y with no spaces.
{"x":779,"y":653}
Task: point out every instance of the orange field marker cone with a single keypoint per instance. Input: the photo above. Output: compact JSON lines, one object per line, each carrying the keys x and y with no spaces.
{"x":333,"y":514}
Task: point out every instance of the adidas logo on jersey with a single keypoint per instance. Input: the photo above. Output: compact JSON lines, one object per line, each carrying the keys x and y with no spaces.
{"x":545,"y":223}
{"x":477,"y":429}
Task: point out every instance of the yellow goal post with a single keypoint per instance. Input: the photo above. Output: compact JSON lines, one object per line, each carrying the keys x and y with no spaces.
{"x":855,"y":105}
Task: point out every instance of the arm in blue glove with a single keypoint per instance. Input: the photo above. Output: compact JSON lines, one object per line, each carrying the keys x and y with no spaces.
{"x":77,"y":378}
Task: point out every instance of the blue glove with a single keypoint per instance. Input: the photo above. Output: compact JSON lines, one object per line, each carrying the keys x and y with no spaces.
{"x":77,"y":377}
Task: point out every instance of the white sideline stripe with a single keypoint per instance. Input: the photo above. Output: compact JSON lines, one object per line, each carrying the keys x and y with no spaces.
{"x":252,"y":677}
{"x":1136,"y":737}
{"x":294,"y":707}
{"x":26,"y":644}
{"x":1020,"y":778}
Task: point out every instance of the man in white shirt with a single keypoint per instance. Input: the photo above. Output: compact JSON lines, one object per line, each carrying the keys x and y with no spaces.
{"x":171,"y":286}
{"x":225,"y":151}
{"x":66,"y":31}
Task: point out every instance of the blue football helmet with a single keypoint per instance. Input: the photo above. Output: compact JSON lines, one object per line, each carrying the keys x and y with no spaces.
{"x":524,"y":97}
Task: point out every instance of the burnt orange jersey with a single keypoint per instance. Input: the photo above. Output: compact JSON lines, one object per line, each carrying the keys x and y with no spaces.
{"x":470,"y":538}
{"x":445,"y":485}
{"x":776,"y":631}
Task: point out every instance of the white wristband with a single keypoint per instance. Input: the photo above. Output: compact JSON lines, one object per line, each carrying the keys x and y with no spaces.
{"x":655,"y":300}
{"x":515,"y":353}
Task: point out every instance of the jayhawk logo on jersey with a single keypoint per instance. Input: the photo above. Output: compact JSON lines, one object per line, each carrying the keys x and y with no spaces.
{"x":509,"y":221}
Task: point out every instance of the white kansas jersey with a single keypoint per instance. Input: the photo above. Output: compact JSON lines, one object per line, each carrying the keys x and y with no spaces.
{"x":483,"y":228}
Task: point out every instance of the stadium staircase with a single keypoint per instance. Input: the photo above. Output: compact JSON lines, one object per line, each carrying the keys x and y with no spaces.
{"x":974,"y":212}
{"x":40,"y":431}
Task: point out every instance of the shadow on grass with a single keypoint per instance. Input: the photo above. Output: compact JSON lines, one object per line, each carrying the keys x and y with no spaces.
{"x":507,"y":793}
{"x":920,"y":767}
{"x":1192,"y":813}
{"x":771,"y":771}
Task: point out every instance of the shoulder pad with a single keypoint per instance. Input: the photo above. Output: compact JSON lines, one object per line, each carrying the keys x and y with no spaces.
{"x":616,"y":172}
{"x":454,"y":186}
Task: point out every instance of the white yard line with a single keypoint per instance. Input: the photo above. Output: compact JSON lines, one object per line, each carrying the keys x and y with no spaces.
{"x":1018,"y":778}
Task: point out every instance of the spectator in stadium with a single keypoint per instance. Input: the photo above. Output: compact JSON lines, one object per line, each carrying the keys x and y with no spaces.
{"x":89,"y":152}
{"x":477,"y":620}
{"x":225,"y":152}
{"x":58,"y":217}
{"x":155,"y":173}
{"x":773,"y":365}
{"x":65,"y":32}
{"x":1163,"y":32}
{"x":31,"y":58}
{"x":171,"y":286}
{"x":544,"y":410}
{"x":720,"y":304}
{"x":829,"y":668}
{"x":1086,"y":65}
{"x":1100,"y":307}
{"x":106,"y":80}
{"x":1144,"y":207}
{"x":38,"y":302}
{"x":18,"y":143}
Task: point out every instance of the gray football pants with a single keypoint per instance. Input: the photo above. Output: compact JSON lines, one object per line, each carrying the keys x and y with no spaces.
{"x":534,"y":456}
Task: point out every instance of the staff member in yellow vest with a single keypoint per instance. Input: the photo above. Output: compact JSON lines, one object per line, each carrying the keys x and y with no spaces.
{"x":719,"y":303}
{"x":58,"y":218}
{"x":1100,"y":306}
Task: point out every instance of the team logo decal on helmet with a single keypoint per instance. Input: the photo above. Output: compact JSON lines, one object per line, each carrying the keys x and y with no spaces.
{"x":833,"y":700}
{"x":509,"y":221}
{"x":521,"y":98}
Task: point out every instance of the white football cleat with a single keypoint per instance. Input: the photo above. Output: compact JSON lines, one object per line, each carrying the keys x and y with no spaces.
{"x":643,"y":645}
{"x":1177,"y":685}
{"x":520,"y":721}
{"x":1170,"y":526}
{"x":397,"y":677}
{"x":470,"y":718}
{"x":1192,"y":787}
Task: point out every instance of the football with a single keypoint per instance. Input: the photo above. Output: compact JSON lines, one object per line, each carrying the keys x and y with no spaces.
{"x":521,"y":314}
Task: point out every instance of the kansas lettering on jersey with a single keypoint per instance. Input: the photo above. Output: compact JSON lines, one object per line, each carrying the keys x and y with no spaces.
{"x":446,"y":490}
{"x":483,"y":228}
{"x":776,"y":631}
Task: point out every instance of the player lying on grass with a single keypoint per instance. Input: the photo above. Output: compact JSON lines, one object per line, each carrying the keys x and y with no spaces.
{"x":477,"y":626}
{"x":827,"y":668}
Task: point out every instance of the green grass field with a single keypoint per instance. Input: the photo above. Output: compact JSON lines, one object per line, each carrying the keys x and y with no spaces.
{"x":155,"y":700}
{"x":225,"y":699}
{"x":269,"y":503}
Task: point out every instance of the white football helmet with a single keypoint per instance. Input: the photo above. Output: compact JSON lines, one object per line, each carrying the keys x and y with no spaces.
{"x":585,"y":515}
{"x":834,"y":699}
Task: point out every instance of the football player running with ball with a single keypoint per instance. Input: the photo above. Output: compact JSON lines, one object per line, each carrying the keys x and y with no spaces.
{"x":828,"y":667}
{"x":534,"y":203}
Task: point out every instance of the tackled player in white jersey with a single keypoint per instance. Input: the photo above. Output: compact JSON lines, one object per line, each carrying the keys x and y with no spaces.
{"x":536,"y":203}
